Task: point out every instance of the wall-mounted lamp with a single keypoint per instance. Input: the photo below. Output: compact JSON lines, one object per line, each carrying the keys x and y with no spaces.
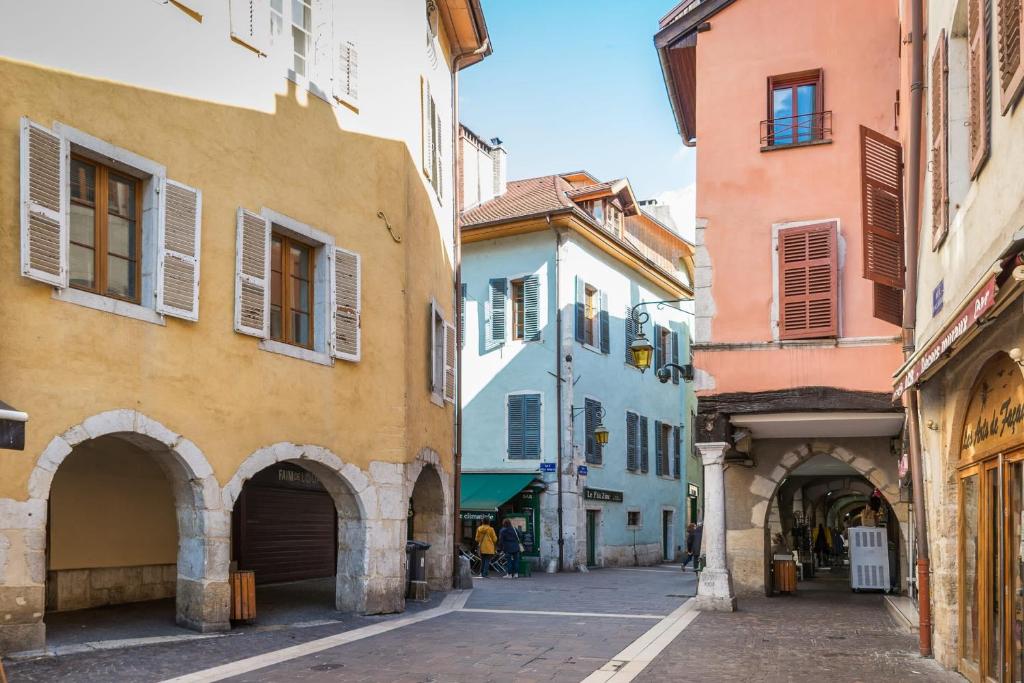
{"x":933,"y":425}
{"x":1017,"y":356}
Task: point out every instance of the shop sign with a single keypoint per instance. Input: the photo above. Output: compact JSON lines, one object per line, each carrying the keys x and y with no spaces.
{"x":692,"y":491}
{"x":602,"y":495}
{"x":982,"y":302}
{"x":477,"y":516}
{"x":995,"y":414}
{"x":548,"y":467}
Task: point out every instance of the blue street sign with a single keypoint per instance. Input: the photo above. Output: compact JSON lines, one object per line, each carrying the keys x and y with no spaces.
{"x":937,"y":295}
{"x":547,"y":467}
{"x":581,"y":469}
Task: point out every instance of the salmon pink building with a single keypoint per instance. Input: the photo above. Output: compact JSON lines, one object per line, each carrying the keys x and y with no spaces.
{"x":798,"y":276}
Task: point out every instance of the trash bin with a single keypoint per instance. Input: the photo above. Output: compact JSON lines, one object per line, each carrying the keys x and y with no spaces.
{"x":416,"y":571}
{"x":243,"y":596}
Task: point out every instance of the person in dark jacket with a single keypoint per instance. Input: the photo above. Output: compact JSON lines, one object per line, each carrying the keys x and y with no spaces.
{"x":698,"y":535}
{"x":691,"y":531}
{"x":508,"y":540}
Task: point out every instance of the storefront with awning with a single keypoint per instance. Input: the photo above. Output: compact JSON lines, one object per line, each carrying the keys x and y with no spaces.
{"x":495,"y":496}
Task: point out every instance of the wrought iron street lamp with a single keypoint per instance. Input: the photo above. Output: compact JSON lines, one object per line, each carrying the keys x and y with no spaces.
{"x":641,"y":349}
{"x":600,"y":431}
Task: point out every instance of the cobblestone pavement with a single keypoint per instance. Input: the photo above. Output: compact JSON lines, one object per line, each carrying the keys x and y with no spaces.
{"x":462,"y":646}
{"x":824,"y":633}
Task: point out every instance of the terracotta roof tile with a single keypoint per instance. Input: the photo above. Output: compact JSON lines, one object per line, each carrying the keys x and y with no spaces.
{"x":522,"y":198}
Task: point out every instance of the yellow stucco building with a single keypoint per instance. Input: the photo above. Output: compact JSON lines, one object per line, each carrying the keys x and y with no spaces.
{"x":226,"y":284}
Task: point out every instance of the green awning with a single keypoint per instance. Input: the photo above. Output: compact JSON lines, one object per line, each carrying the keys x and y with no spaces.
{"x":487,"y":491}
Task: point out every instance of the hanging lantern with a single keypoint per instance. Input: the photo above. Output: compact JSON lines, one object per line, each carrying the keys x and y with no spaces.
{"x":641,"y":350}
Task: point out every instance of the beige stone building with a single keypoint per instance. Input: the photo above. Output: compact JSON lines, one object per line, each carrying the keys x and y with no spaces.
{"x":227,"y":284}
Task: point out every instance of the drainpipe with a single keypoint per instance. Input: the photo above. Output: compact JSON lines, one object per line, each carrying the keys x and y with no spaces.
{"x":558,"y":390}
{"x":913,"y":211}
{"x":457,"y":248}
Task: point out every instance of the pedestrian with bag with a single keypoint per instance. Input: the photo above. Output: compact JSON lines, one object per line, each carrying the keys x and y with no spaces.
{"x":512,"y":545}
{"x":485,"y":540}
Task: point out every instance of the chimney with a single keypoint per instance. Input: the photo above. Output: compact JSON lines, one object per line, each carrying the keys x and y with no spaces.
{"x":499,"y":161}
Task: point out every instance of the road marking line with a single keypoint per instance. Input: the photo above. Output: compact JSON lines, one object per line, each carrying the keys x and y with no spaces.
{"x":626,"y":665}
{"x":453,"y":602}
{"x":565,"y":614}
{"x":642,"y":569}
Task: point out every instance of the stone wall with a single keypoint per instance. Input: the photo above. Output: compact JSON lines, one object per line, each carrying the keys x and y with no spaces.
{"x":68,"y":589}
{"x":624,"y":556}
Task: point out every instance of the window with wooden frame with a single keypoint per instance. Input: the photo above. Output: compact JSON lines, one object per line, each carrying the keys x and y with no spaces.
{"x":795,"y":108}
{"x":291,"y":291}
{"x":939,"y":139}
{"x":1010,"y":17}
{"x":105,"y":254}
{"x":978,"y":83}
{"x":518,"y":309}
{"x":591,"y":309}
{"x":881,"y":169}
{"x":808,"y":282}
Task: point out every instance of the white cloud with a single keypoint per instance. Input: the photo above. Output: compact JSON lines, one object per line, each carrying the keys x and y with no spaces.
{"x":682,"y":204}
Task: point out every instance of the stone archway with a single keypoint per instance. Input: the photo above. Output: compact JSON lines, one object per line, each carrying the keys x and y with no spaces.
{"x":202,"y":592}
{"x":370,"y":512}
{"x":429,"y":493}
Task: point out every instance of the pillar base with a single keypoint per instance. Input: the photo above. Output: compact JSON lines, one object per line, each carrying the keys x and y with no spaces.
{"x":708,"y":603}
{"x":714,"y":591}
{"x":464,"y":576}
{"x":203,"y":606}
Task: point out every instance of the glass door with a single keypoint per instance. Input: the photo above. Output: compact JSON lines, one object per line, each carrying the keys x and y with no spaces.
{"x":1014,"y":571}
{"x":970,"y":518}
{"x":992,"y":585}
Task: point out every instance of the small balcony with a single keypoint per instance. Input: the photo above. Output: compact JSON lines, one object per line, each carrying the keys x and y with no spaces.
{"x":796,"y":131}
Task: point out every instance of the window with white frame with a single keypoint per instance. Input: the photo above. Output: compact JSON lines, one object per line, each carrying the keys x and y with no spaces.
{"x":106,"y":227}
{"x":433,"y":139}
{"x":442,"y":356}
{"x":295,"y":289}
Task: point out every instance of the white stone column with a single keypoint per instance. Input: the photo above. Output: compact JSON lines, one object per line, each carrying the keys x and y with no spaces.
{"x":714,"y":592}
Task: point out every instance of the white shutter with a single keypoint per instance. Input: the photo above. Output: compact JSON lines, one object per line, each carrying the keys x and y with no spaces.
{"x":44,"y":205}
{"x":250,"y":24}
{"x":177,"y":264}
{"x":436,"y":383}
{"x":427,"y":123}
{"x":449,"y":362}
{"x":346,"y":73}
{"x":252,"y":275}
{"x":345,"y":321}
{"x":438,"y":152}
{"x":322,"y":48}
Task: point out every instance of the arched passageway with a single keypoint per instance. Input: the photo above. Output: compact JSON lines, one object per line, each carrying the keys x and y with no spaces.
{"x":428,"y":523}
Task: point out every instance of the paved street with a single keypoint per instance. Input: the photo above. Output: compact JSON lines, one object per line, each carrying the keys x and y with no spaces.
{"x":545,"y":628}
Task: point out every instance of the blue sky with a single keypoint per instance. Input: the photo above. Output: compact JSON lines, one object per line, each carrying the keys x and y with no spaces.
{"x":576,"y":84}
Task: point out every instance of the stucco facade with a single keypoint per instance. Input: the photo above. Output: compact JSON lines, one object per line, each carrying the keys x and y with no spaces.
{"x":209,"y":406}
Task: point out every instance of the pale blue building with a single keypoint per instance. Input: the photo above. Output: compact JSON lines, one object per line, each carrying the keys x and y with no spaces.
{"x":551,"y":267}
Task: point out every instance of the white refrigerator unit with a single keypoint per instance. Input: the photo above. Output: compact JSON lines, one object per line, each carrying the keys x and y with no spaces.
{"x":869,"y":558}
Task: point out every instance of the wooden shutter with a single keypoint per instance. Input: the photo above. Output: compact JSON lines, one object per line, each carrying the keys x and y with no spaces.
{"x":435,"y":356}
{"x":321,"y":61}
{"x":606,"y":340}
{"x":940,"y":142}
{"x":632,"y":445}
{"x":675,"y":356}
{"x":630,"y":327}
{"x":346,"y":321}
{"x":516,"y":426}
{"x":346,"y":73}
{"x":643,"y":445}
{"x":252,"y":275}
{"x":1011,"y":66}
{"x":659,"y":350}
{"x":581,"y":315}
{"x":881,"y":176}
{"x":438,"y":154}
{"x":449,"y":362}
{"x":250,"y":24}
{"x":659,"y":449}
{"x":177,"y":263}
{"x":531,"y":426}
{"x":44,"y":204}
{"x":495,"y":328}
{"x":677,"y":449}
{"x":978,"y":82}
{"x":531,"y":308}
{"x":888,"y":304}
{"x":808,"y":287}
{"x":589,"y":422}
{"x":427,"y":126}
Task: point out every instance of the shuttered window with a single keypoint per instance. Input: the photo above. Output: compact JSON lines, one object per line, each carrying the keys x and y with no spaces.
{"x":1011,"y":67}
{"x":81,"y":222}
{"x":251,"y":24}
{"x":525,"y":298}
{"x":644,"y":453}
{"x":591,"y":418}
{"x":808,"y":275}
{"x":631,"y":330}
{"x":433,"y":136}
{"x":593,"y":324}
{"x":495,"y":324}
{"x":675,"y":356}
{"x":524,"y":426}
{"x":662,"y":439}
{"x":677,"y":449}
{"x":632,"y":441}
{"x":978,"y":82}
{"x":939,"y":140}
{"x":882,"y":216}
{"x":346,"y":73}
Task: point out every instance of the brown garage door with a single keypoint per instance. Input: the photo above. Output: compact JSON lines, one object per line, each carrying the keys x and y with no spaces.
{"x":286,"y":534}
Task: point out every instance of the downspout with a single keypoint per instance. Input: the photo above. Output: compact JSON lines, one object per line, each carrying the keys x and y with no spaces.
{"x":910,"y":397}
{"x":457,"y":249}
{"x":558,"y":390}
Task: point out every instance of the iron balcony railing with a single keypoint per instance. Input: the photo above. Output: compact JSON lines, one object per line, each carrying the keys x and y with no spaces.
{"x":796,"y":130}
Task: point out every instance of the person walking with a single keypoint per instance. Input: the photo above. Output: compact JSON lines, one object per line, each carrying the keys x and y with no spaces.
{"x":485,"y":540}
{"x":698,"y":534}
{"x":821,"y":545}
{"x":511,"y":545}
{"x":691,"y":530}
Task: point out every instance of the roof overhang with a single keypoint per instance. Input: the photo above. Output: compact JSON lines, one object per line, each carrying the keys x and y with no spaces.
{"x":820,"y":424}
{"x":466,"y":29}
{"x":620,"y":189}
